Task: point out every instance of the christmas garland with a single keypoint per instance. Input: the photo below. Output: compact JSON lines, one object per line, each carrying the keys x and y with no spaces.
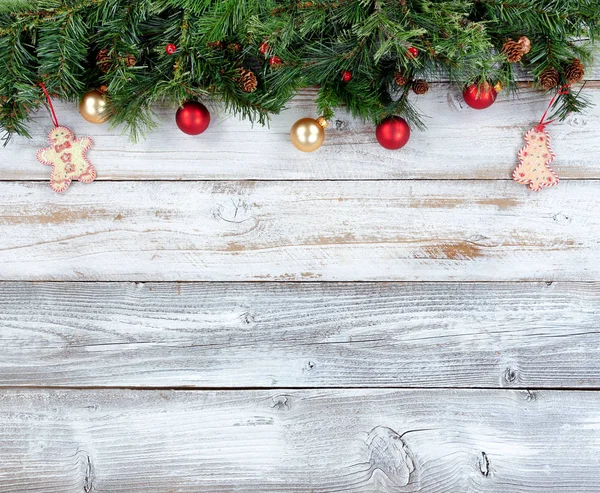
{"x":118,"y":58}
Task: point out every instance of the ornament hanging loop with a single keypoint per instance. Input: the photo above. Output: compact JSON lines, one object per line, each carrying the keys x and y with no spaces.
{"x":565,"y":89}
{"x":50,"y":106}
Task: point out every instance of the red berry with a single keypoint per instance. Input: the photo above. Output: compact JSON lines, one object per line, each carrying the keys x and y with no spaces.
{"x":171,"y":49}
{"x":346,"y":76}
{"x":263,"y":48}
{"x":275,"y":60}
{"x":413,"y":52}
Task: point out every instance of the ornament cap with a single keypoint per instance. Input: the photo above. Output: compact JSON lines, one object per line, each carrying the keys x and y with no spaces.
{"x":322,"y":122}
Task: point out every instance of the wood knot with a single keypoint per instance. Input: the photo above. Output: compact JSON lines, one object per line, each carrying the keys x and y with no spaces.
{"x":391,"y":461}
{"x":341,"y":125}
{"x":248,"y":318}
{"x":309,"y":366}
{"x":561,"y":218}
{"x":235,"y":210}
{"x":89,"y":475}
{"x":577,"y":121}
{"x":281,"y":403}
{"x":510,"y":375}
{"x":484,"y":465}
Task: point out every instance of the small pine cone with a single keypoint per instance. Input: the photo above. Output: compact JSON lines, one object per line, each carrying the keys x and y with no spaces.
{"x":234,"y":47}
{"x":400,"y":79}
{"x":129,"y":60}
{"x":513,"y":51}
{"x":574,"y":71}
{"x":525,"y":44}
{"x":103,"y":60}
{"x":549,"y":78}
{"x":247,"y":80}
{"x":420,"y":86}
{"x":216,"y":45}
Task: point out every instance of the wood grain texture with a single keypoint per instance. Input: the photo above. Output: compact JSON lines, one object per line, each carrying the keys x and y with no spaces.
{"x":300,"y":231}
{"x":214,"y":335}
{"x":460,"y":143}
{"x":299,"y":441}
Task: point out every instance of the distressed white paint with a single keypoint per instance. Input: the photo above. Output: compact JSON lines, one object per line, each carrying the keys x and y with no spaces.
{"x":460,"y":143}
{"x":298,"y":441}
{"x":300,"y":335}
{"x":326,"y":231}
{"x":316,"y":335}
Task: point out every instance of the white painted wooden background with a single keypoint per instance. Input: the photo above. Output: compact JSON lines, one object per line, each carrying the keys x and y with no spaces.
{"x":416,"y":322}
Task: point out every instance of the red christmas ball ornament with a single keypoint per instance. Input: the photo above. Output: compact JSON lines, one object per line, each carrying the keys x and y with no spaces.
{"x":413,"y":52}
{"x":274,"y":61}
{"x":192,"y":118}
{"x":170,"y":49}
{"x":264,"y":48}
{"x":346,"y":76}
{"x":393,"y":132}
{"x":480,"y":96}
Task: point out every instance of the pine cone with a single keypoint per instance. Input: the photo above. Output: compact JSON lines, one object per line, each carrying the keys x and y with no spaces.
{"x":234,"y":47}
{"x":400,"y":79}
{"x":549,"y":78}
{"x":129,"y":60}
{"x":103,"y":60}
{"x":525,"y":44}
{"x":574,"y":71}
{"x":216,"y":45}
{"x":420,"y":86}
{"x":513,"y":51}
{"x":247,"y":80}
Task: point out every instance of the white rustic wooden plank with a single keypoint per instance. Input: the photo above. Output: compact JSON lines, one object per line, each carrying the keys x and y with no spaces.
{"x":298,"y":441}
{"x":213,"y":335}
{"x":326,"y":231}
{"x":460,"y":143}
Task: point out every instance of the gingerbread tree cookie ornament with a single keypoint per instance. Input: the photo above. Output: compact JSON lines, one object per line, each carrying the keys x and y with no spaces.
{"x":535,"y":158}
{"x":66,"y":155}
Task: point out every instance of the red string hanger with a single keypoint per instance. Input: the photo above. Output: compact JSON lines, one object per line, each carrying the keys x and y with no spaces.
{"x":50,"y":106}
{"x":542,"y":125}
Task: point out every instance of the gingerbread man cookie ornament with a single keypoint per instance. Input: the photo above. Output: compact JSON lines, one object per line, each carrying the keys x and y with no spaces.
{"x":68,"y":159}
{"x":535,"y":158}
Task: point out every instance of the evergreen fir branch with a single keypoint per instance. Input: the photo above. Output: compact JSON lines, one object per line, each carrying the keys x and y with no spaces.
{"x":57,"y":42}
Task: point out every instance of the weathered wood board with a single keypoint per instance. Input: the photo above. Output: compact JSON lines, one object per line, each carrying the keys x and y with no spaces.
{"x":124,"y":441}
{"x":300,"y":335}
{"x":325,"y":231}
{"x":460,"y":143}
{"x":282,"y":377}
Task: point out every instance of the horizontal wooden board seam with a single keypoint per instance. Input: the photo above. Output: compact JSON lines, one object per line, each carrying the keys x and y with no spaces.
{"x":252,"y":281}
{"x":133,"y":388}
{"x":299,"y":180}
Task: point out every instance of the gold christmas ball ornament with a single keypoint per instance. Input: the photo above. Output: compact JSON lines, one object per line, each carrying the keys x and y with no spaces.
{"x":93,"y":107}
{"x":308,"y":134}
{"x":498,"y":86}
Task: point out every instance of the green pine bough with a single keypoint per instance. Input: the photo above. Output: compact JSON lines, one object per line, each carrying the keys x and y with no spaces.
{"x":254,"y":55}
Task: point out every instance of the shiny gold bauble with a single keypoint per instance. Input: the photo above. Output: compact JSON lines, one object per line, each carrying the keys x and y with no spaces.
{"x":308,"y":134}
{"x":499,"y":86}
{"x":93,"y":107}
